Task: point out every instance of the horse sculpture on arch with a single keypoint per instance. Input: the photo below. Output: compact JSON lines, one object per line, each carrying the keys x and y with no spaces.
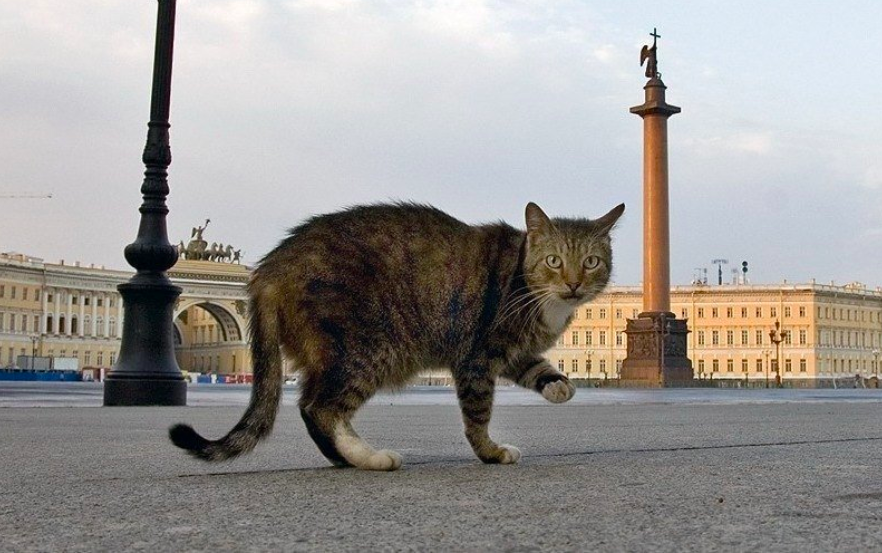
{"x":197,"y":249}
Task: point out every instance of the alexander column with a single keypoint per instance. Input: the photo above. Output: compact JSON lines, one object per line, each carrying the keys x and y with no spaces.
{"x":656,"y":338}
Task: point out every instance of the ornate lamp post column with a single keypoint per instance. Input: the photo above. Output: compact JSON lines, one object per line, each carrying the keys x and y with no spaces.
{"x":776,"y":335}
{"x":766,"y":354}
{"x":146,"y":372}
{"x":656,"y":338}
{"x":588,"y":366}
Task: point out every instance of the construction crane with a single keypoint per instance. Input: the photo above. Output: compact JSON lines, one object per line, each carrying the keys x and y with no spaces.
{"x":719,"y":263}
{"x":25,"y":196}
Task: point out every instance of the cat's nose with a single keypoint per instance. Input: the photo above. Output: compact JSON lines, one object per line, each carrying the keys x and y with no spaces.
{"x":574,"y":286}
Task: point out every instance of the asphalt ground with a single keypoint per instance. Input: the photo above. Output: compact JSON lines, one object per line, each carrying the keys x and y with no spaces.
{"x":673,"y":471}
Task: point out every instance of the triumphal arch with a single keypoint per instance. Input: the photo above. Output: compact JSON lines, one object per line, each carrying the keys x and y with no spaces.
{"x":211,"y":315}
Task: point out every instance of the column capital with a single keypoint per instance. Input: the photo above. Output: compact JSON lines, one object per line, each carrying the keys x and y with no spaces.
{"x":655,"y":103}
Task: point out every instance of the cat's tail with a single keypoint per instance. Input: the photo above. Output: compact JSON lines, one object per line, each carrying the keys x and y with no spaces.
{"x":266,"y":394}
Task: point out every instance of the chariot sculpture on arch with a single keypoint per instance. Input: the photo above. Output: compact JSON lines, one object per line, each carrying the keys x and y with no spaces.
{"x":197,"y":249}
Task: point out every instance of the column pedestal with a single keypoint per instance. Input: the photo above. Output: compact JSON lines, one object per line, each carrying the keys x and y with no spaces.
{"x":656,"y":352}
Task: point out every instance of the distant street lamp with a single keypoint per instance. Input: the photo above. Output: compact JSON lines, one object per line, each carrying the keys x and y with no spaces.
{"x":776,"y":335}
{"x":876,"y":353}
{"x":663,"y":327}
{"x":767,"y":353}
{"x":34,"y":339}
{"x":588,"y":367}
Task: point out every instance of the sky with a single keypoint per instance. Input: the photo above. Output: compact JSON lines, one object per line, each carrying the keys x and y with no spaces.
{"x":282,"y":109}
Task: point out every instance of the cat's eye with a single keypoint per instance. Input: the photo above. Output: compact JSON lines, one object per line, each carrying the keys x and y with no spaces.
{"x":554,"y":261}
{"x":591,"y":262}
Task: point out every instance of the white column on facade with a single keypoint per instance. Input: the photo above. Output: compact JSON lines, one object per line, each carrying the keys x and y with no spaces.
{"x":81,"y":322}
{"x":44,"y":309}
{"x":93,"y":323}
{"x":55,"y":292}
{"x":106,"y":309}
{"x":119,"y":317}
{"x":69,"y":313}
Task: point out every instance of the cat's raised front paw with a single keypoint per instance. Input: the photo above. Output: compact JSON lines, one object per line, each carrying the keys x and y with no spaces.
{"x":559,"y":391}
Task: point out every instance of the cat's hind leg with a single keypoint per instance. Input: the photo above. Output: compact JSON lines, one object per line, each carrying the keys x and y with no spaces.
{"x":324,"y":440}
{"x":475,"y":392}
{"x":328,"y":416}
{"x":332,"y":432}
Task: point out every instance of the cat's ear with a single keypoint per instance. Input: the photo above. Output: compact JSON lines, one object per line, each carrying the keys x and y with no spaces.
{"x":608,"y":221}
{"x":537,"y":220}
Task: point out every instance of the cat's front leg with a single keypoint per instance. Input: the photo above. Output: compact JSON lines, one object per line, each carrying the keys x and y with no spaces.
{"x":475,"y":388}
{"x":538,"y":374}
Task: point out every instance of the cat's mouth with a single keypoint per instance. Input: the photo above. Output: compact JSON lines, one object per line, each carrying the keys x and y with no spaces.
{"x":571,"y":297}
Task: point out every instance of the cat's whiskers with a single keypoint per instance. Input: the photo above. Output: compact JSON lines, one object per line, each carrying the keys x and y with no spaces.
{"x":517,"y":307}
{"x":535,"y":313}
{"x":517,"y":304}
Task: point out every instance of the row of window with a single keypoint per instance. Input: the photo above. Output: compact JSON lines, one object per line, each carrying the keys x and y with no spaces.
{"x":847,"y":366}
{"x":700,"y":312}
{"x":75,"y":299}
{"x":206,"y":335}
{"x":588,"y":365}
{"x":601,"y":313}
{"x":25,"y":292}
{"x":34,"y":292}
{"x":758,"y":365}
{"x":208,"y":363}
{"x":760,"y":337}
{"x":833,"y":313}
{"x":744,"y":311}
{"x":589,"y":338}
{"x":845,"y":314}
{"x":94,"y":330}
{"x":24,"y":324}
{"x":86,"y":359}
{"x":849,"y":338}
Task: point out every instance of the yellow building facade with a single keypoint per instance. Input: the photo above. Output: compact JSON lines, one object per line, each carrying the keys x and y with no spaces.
{"x":826,"y":332}
{"x":830,"y":332}
{"x":74,"y":312}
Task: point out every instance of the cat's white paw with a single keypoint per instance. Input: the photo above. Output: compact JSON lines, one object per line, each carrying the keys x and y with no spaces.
{"x":510,"y":456}
{"x":385,"y":459}
{"x":558,"y":391}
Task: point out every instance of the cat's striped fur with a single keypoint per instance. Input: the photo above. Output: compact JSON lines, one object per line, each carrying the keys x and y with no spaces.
{"x":365,"y":298}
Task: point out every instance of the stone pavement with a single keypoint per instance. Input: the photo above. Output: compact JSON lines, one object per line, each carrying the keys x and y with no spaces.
{"x":729,"y":476}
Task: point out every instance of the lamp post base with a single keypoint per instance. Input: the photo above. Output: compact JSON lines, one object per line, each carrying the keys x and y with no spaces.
{"x":146,"y":372}
{"x":144,"y":391}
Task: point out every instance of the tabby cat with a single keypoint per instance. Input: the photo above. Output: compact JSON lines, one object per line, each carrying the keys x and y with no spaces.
{"x":365,"y":298}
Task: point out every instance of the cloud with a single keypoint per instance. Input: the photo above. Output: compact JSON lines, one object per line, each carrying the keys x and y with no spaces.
{"x":754,"y":143}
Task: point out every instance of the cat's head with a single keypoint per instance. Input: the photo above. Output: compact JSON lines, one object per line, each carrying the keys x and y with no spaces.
{"x":568,"y":261}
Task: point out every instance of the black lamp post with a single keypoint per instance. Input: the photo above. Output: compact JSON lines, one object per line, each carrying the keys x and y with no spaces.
{"x":876,"y":366}
{"x":34,"y":339}
{"x":146,"y":372}
{"x":776,"y":335}
{"x":767,"y":353}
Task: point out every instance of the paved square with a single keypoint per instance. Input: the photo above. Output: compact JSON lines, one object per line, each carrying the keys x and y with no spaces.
{"x":668,"y":475}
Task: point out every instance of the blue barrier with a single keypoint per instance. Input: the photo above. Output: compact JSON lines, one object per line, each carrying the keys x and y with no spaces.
{"x":41,"y":376}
